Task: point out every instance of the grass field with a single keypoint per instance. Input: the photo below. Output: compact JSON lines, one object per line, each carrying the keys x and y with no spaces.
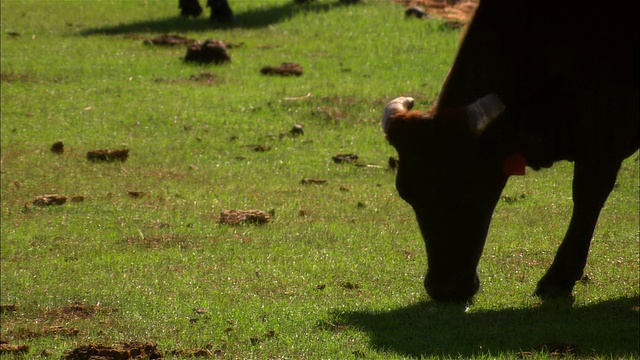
{"x":337,"y":273}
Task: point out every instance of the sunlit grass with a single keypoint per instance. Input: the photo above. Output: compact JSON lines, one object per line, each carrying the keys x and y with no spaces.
{"x":338,"y":271}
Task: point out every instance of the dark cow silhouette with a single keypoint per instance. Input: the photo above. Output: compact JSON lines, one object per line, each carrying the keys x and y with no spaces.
{"x":220,"y":10}
{"x":533,"y":82}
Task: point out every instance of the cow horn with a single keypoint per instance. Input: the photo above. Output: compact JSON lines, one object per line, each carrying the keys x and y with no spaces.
{"x":483,"y":111}
{"x":401,"y":104}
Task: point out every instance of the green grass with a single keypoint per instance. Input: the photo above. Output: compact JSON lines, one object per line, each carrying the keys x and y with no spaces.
{"x":338,"y":271}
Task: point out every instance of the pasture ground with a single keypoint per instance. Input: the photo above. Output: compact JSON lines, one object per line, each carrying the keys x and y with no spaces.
{"x":136,"y":258}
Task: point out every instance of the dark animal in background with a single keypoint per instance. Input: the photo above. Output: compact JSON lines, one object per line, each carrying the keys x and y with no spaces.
{"x":220,"y":10}
{"x":533,"y":82}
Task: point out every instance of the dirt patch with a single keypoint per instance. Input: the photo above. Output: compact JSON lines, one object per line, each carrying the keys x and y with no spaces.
{"x":108,"y":155}
{"x":76,"y":310}
{"x":205,"y":77}
{"x":234,"y":217}
{"x":169,"y":40}
{"x":207,"y":52}
{"x":49,"y":199}
{"x":285,"y":69}
{"x":161,"y":241}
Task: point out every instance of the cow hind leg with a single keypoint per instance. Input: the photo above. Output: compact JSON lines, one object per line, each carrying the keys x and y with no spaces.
{"x":591,"y":187}
{"x":190,"y":8}
{"x":221,"y":11}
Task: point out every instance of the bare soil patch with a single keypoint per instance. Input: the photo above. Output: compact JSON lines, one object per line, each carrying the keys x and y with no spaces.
{"x":169,"y":40}
{"x":76,"y":310}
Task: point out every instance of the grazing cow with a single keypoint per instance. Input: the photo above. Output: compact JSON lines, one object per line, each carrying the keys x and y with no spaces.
{"x":220,"y":10}
{"x":533,"y":82}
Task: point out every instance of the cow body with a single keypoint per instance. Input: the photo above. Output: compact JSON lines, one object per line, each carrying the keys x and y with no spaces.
{"x":563,"y":85}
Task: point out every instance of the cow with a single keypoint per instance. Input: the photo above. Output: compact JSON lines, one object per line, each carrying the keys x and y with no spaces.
{"x":220,"y":9}
{"x":533,"y":82}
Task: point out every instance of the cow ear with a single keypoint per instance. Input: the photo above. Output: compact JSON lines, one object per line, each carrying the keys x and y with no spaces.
{"x":395,"y":108}
{"x":483,"y":111}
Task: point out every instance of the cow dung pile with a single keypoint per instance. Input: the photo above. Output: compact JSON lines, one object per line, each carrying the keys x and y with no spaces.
{"x":49,"y":199}
{"x":16,"y":350}
{"x":285,"y":69}
{"x":313,"y":181}
{"x":345,"y":158}
{"x":57,"y":147}
{"x":207,"y":52}
{"x":234,"y":217}
{"x":108,"y":155}
{"x":133,"y":350}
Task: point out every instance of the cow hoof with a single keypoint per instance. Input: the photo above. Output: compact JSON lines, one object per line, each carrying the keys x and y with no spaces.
{"x":194,"y":14}
{"x":551,"y":290}
{"x":452,"y":291}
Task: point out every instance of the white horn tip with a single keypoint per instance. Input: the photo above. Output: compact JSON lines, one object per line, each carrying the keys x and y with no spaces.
{"x":400,"y":104}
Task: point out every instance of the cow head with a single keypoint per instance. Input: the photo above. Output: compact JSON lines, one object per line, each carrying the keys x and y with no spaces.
{"x":452,"y":182}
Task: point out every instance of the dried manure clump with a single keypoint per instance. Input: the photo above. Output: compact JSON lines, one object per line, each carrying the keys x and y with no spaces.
{"x":285,"y":69}
{"x":49,"y":199}
{"x":345,"y":158}
{"x":207,"y":52}
{"x":12,"y":349}
{"x":57,"y":147}
{"x":313,"y":181}
{"x":234,"y":217}
{"x":133,"y":350}
{"x":108,"y":155}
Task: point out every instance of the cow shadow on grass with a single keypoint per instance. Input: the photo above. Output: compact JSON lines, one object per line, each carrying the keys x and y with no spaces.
{"x":253,"y":18}
{"x":610,"y":328}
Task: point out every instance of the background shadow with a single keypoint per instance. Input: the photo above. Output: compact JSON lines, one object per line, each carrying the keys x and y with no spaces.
{"x":610,"y":328}
{"x":254,"y":18}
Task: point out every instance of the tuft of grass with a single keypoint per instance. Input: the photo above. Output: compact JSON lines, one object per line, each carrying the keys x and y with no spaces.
{"x":338,"y":271}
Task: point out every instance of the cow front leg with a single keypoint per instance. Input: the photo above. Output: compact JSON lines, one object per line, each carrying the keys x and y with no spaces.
{"x":591,"y":187}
